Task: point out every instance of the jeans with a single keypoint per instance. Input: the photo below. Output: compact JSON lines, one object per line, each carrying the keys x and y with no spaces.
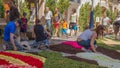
{"x":10,"y":47}
{"x":45,"y":42}
{"x":48,"y":25}
{"x":86,"y":43}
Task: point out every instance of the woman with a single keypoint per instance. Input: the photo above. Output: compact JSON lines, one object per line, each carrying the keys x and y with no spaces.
{"x":73,"y":22}
{"x":88,"y":38}
{"x":56,"y":20}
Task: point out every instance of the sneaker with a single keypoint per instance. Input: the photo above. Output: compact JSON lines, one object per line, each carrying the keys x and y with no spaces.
{"x":4,"y":47}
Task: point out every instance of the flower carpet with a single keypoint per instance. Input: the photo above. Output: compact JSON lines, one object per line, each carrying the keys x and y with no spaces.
{"x":14,"y":59}
{"x":107,"y":55}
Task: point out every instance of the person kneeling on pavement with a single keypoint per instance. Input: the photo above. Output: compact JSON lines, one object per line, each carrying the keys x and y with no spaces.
{"x":41,"y":35}
{"x":10,"y":37}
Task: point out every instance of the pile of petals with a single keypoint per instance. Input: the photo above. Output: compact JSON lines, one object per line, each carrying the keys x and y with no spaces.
{"x":13,"y":59}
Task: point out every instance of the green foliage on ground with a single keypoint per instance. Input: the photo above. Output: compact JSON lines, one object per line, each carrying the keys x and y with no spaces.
{"x":84,"y":16}
{"x":61,"y":4}
{"x":1,"y":9}
{"x":55,"y":60}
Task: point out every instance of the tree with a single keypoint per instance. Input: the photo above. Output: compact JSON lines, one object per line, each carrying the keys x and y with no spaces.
{"x":84,"y":16}
{"x":97,"y":11}
{"x":111,"y":15}
{"x":61,"y":4}
{"x":51,"y":4}
{"x":1,"y":9}
{"x":24,"y":8}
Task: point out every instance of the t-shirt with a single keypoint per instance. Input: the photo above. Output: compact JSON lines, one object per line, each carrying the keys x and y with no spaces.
{"x":73,"y":18}
{"x":24,"y":23}
{"x":86,"y":35}
{"x":9,"y":28}
{"x":56,"y":17}
{"x":48,"y":15}
{"x":106,"y":21}
{"x":39,"y":33}
{"x":64,"y":25}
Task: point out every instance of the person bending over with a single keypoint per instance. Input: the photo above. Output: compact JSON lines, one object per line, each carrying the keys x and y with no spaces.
{"x":88,"y":38}
{"x":9,"y":35}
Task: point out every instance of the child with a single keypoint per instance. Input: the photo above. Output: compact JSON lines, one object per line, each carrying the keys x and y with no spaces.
{"x":64,"y":28}
{"x":23,"y":28}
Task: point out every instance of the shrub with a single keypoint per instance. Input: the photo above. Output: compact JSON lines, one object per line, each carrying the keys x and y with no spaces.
{"x":84,"y":16}
{"x":1,"y":9}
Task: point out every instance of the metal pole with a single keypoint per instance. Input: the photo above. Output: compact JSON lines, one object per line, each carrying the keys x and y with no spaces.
{"x":91,"y":24}
{"x":92,"y":5}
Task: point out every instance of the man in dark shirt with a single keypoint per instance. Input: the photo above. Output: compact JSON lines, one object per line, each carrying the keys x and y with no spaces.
{"x":40,"y":34}
{"x":13,"y":13}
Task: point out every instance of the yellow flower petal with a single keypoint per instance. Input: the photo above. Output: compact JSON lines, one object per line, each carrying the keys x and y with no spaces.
{"x":13,"y":60}
{"x":27,"y":54}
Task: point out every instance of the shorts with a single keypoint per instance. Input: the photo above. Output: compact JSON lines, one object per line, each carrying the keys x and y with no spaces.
{"x":23,"y":30}
{"x":73,"y":26}
{"x":64,"y":31}
{"x":56,"y":25}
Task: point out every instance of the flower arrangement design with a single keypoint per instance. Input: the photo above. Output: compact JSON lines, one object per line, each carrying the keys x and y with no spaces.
{"x":14,"y":59}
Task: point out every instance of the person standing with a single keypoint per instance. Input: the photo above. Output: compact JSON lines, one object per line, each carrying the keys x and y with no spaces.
{"x":116,"y":27}
{"x":64,"y":28}
{"x":10,"y":37}
{"x":106,"y":22}
{"x":23,"y":28}
{"x":56,"y":20}
{"x":13,"y":13}
{"x":48,"y":18}
{"x":73,"y":22}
